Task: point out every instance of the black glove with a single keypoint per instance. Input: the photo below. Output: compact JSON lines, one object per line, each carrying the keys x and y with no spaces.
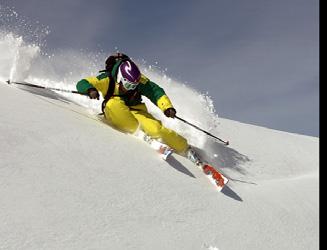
{"x":170,"y":112}
{"x":93,"y":93}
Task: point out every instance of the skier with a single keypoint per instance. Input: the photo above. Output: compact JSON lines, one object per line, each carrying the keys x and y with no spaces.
{"x":122,"y":86}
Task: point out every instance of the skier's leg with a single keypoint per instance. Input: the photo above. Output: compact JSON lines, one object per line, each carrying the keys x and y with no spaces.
{"x":120,"y":115}
{"x":156,"y":130}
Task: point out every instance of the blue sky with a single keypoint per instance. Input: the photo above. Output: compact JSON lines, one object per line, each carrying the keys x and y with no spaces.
{"x":257,"y":59}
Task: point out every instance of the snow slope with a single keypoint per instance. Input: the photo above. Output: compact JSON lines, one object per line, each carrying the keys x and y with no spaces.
{"x":69,"y":181}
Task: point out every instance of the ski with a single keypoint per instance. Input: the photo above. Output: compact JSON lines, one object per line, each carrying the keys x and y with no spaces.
{"x":164,"y":150}
{"x":216,"y":177}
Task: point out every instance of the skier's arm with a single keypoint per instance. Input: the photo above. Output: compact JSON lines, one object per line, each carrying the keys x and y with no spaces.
{"x":155,"y":93}
{"x":100,"y":83}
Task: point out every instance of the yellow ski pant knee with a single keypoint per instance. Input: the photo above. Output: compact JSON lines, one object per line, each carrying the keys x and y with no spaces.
{"x":120,"y":115}
{"x":128,"y":119}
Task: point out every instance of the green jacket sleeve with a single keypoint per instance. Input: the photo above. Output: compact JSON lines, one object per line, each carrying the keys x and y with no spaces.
{"x":83,"y":85}
{"x":152,"y":91}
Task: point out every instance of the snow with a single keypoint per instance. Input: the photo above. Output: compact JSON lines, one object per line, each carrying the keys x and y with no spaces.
{"x":70,"y":181}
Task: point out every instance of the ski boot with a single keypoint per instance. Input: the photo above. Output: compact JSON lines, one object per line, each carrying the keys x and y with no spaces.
{"x":193,"y":156}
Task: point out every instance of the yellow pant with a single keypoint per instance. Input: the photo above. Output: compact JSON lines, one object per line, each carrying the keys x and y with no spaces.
{"x":128,"y":119}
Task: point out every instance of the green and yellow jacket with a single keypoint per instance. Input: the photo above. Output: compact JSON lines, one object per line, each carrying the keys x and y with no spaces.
{"x":146,"y":88}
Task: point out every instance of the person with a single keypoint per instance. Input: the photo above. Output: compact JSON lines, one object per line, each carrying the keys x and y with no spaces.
{"x":122,"y":86}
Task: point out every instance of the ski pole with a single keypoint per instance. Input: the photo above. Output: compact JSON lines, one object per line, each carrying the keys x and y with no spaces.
{"x":225,"y":142}
{"x":42,"y":87}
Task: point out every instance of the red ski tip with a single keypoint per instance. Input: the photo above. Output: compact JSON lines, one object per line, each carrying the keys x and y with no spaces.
{"x":218,"y":177}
